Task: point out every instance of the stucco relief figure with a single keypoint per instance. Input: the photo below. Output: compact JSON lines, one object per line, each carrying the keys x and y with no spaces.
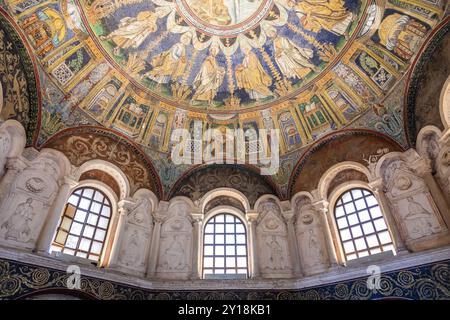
{"x":294,"y":62}
{"x":132,"y":32}
{"x":315,"y":252}
{"x":276,"y":257}
{"x":316,"y":15}
{"x":130,"y":253}
{"x":175,"y":255}
{"x":18,"y":225}
{"x":170,"y":64}
{"x":209,"y":79}
{"x":419,"y":221}
{"x":251,"y":76}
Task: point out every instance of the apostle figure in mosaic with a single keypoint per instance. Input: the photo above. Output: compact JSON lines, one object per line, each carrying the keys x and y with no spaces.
{"x":209,"y":79}
{"x":294,"y":62}
{"x":251,"y":76}
{"x":132,"y":32}
{"x":170,"y":64}
{"x":316,"y":15}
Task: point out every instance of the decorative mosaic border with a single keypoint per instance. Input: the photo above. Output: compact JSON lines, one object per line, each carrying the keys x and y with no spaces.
{"x":426,"y":282}
{"x":416,"y":77}
{"x":30,"y":74}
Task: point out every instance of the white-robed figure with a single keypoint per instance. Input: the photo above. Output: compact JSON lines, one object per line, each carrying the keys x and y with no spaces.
{"x":132,"y":31}
{"x":294,"y":62}
{"x":170,"y":64}
{"x":209,"y":79}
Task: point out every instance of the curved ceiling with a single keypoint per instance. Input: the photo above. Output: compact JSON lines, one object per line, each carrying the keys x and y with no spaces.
{"x":142,"y":68}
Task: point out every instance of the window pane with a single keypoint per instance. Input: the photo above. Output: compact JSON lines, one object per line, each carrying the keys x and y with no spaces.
{"x":72,"y":242}
{"x":103,"y":223}
{"x":80,"y":216}
{"x":92,"y":219}
{"x":98,"y":196}
{"x":230,"y":238}
{"x":220,"y":250}
{"x":73,"y":200}
{"x":209,"y":228}
{"x":368,"y":228}
{"x":380,"y":225}
{"x":345,"y":234}
{"x":353,"y":219}
{"x":208,"y":250}
{"x":84,"y":244}
{"x":356,"y":231}
{"x":88,"y":193}
{"x":219,"y":228}
{"x":357,"y":193}
{"x":106,"y":211}
{"x":225,"y":248}
{"x":339,"y":212}
{"x":76,"y":228}
{"x":96,"y":207}
{"x":342,"y":223}
{"x":88,"y":231}
{"x":100,"y":235}
{"x":364,"y":215}
{"x":84,"y":204}
{"x":230,"y":228}
{"x":65,"y":224}
{"x":231,"y":250}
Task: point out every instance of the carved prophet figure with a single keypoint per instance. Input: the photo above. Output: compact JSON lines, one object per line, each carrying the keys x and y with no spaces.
{"x":276,"y":254}
{"x":420,"y":222}
{"x":18,"y":225}
{"x":175,"y":255}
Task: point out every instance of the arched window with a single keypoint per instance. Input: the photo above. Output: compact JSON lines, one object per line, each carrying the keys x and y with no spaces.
{"x":84,"y":224}
{"x":225,"y":248}
{"x":362,"y":228}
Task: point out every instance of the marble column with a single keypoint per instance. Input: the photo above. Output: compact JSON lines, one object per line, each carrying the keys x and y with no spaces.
{"x":196,"y":249}
{"x":322,"y":207}
{"x":124,"y":207}
{"x":158,"y":219}
{"x":53,"y":217}
{"x":378,"y":190}
{"x":292,"y":242}
{"x":253,"y":245}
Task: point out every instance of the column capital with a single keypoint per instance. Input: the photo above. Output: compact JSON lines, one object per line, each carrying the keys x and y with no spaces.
{"x":421,"y":167}
{"x":377,"y":185}
{"x":288,"y":215}
{"x":252,"y":216}
{"x":321,"y":205}
{"x":16,"y":163}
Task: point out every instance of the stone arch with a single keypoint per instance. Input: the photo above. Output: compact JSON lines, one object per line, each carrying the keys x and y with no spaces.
{"x":198,"y":181}
{"x":346,"y":145}
{"x":328,"y":183}
{"x":84,"y":143}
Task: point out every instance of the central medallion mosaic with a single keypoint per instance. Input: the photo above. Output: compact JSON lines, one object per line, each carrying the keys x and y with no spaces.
{"x":223,"y":55}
